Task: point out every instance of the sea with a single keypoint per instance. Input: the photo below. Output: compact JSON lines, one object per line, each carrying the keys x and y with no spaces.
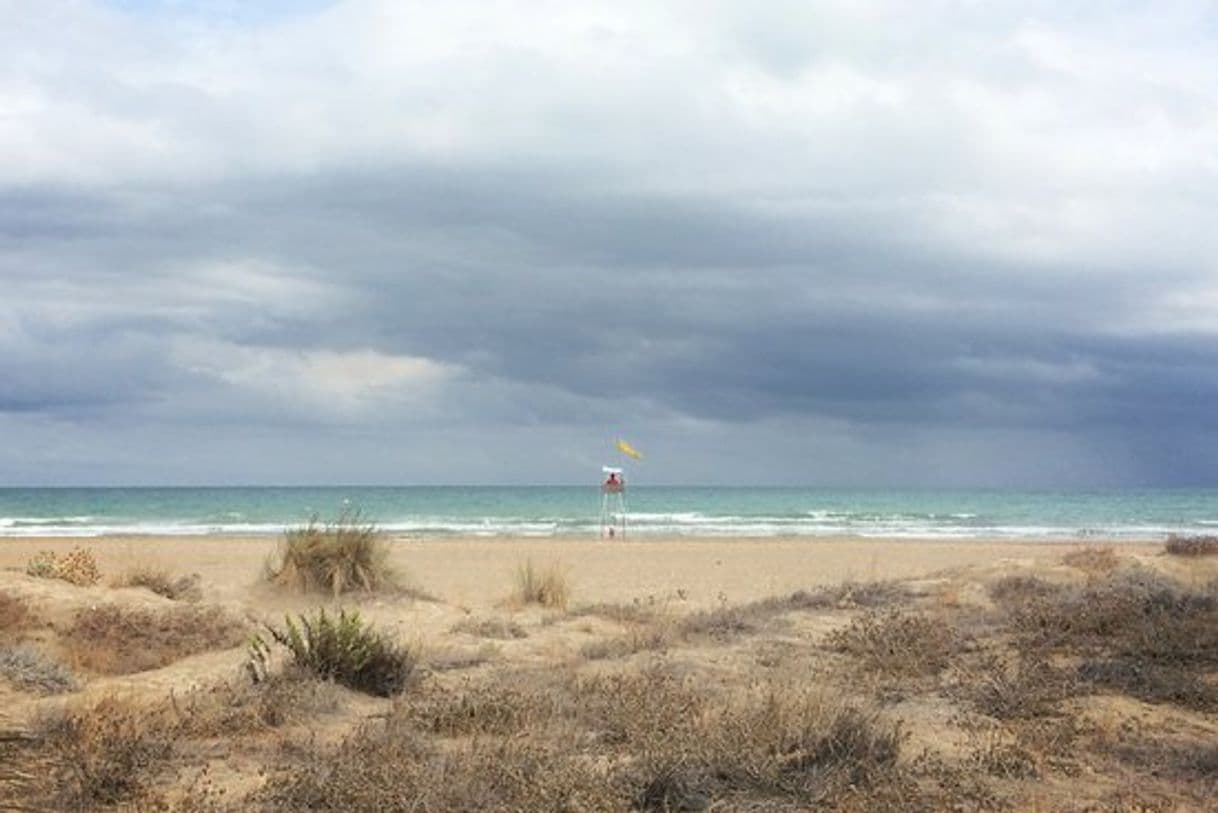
{"x":545,"y":511}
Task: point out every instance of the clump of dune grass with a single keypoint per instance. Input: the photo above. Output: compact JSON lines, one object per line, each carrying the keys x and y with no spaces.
{"x":1191,"y":545}
{"x":116,"y":640}
{"x":336,"y":557}
{"x":159,"y":581}
{"x":547,"y":587}
{"x":30,"y":670}
{"x":346,"y":649}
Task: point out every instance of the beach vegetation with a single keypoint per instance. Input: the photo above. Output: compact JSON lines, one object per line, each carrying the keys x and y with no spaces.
{"x":496,"y":628}
{"x":547,"y":587}
{"x":344,"y":648}
{"x":161,"y":582}
{"x":1192,"y":545}
{"x":15,"y":612}
{"x":345,"y":555}
{"x":894,"y":644}
{"x":639,"y":740}
{"x":1093,"y":559}
{"x":116,"y":639}
{"x":30,"y":670}
{"x":101,"y":753}
{"x":78,"y":567}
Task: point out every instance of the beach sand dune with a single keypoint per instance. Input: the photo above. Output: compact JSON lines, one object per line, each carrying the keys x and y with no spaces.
{"x":935,"y":640}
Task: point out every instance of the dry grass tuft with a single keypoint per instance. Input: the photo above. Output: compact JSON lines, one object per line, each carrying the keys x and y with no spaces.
{"x":345,"y":555}
{"x":1093,"y":559}
{"x":495,"y":628}
{"x":182,"y":588}
{"x":547,"y":587}
{"x":894,"y":644}
{"x":1192,"y":545}
{"x":116,"y":640}
{"x":30,"y":670}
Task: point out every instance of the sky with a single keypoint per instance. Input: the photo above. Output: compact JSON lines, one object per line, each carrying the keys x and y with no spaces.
{"x":945,"y":244}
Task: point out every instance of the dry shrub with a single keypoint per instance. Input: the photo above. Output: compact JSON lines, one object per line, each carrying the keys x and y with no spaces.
{"x":345,"y":555}
{"x":116,"y":640}
{"x":453,"y":660}
{"x":894,"y":644}
{"x":1011,"y":591}
{"x":15,"y":613}
{"x":849,"y":594}
{"x":1093,"y":559}
{"x":509,"y":705}
{"x":240,"y":707}
{"x":394,"y":767}
{"x":103,"y":753}
{"x":657,"y":636}
{"x":646,"y":740}
{"x":1139,"y":613}
{"x":345,"y":649}
{"x":496,"y":628}
{"x":1031,"y":688}
{"x":636,"y":612}
{"x":1174,"y":760}
{"x":182,"y":588}
{"x":1154,"y":683}
{"x":547,"y":587}
{"x":30,"y":670}
{"x":78,"y":567}
{"x":1192,"y":545}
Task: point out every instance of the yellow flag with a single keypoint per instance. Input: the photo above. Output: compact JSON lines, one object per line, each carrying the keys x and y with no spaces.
{"x":626,"y":449}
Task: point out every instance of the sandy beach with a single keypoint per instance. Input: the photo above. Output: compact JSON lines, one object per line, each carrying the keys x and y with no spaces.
{"x":725,"y":614}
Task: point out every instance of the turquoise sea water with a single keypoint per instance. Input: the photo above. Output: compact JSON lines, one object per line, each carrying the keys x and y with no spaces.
{"x":572,"y":510}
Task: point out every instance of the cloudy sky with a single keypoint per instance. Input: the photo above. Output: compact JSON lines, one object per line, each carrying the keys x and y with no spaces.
{"x":386,"y":241}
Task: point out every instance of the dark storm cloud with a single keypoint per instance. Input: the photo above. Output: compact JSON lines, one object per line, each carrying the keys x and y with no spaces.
{"x":805,"y":232}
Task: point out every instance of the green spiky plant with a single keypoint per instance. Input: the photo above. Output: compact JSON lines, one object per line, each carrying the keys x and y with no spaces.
{"x":343,"y":648}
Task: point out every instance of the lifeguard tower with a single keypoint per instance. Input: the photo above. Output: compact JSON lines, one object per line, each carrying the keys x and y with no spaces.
{"x":613,"y":503}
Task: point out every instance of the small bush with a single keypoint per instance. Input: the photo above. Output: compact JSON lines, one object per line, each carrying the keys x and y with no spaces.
{"x":117,"y":640}
{"x":1011,"y":591}
{"x":78,"y":567}
{"x":1192,"y":545}
{"x":239,"y":707}
{"x":342,"y":556}
{"x":1093,"y":559}
{"x":182,"y":588}
{"x":345,"y":649}
{"x":104,"y":753}
{"x":1031,"y":688}
{"x":895,"y":644}
{"x":14,"y":613}
{"x":547,"y":587}
{"x":491,"y":628}
{"x":30,"y":670}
